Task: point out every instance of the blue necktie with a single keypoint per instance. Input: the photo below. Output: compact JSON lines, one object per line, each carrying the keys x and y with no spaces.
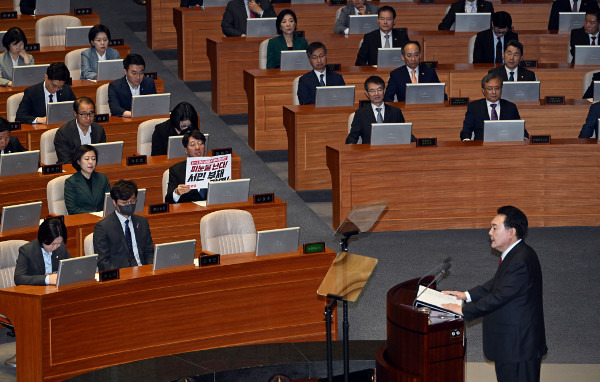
{"x":322,"y":82}
{"x":379,"y":117}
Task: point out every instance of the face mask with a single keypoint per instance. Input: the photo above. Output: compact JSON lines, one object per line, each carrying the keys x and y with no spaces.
{"x":127,"y":210}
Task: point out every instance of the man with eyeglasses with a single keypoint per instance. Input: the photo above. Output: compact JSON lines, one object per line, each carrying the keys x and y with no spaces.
{"x":32,"y":108}
{"x":319,"y":76}
{"x":80,"y":131}
{"x":123,"y":239}
{"x":490,"y":43}
{"x":489,"y":108}
{"x":177,"y":191}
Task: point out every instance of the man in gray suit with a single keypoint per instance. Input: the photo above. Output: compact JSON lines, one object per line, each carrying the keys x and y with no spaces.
{"x":354,"y":7}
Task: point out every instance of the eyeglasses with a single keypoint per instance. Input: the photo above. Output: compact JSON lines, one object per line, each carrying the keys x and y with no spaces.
{"x":87,"y":115}
{"x":322,"y":56}
{"x":374,"y":91}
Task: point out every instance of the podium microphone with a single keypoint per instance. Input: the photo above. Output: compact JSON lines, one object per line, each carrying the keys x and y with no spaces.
{"x":435,"y":269}
{"x":440,"y":271}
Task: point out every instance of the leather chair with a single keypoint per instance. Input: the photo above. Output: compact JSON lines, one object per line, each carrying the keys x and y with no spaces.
{"x":12,"y":105}
{"x":102,"y":100}
{"x":47,"y":150}
{"x":262,"y":54}
{"x":350,"y":120}
{"x":471,"y":49}
{"x":228,"y":231}
{"x":73,"y":62}
{"x":165,"y":182}
{"x":51,"y":30}
{"x":144,"y":135}
{"x":55,"y":194}
{"x":88,"y":245}
{"x":17,"y":6}
{"x":587,"y":80}
{"x":295,"y":100}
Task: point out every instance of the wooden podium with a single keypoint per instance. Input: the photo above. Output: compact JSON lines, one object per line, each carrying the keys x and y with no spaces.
{"x":416,"y":350}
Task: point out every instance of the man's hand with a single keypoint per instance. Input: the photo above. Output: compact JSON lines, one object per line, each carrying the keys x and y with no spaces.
{"x":52,"y":279}
{"x":182,"y":189}
{"x":455,"y":293}
{"x":41,"y":120}
{"x":362,"y":10}
{"x":127,"y":114}
{"x":453,"y":308}
{"x":254,"y":7}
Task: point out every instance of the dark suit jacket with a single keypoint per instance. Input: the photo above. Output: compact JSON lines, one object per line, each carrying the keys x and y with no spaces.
{"x":234,"y":19}
{"x":14,"y":146}
{"x":399,"y":77}
{"x":119,"y":94}
{"x":30,"y":268}
{"x":477,"y":113}
{"x":364,"y":117}
{"x":511,"y":304}
{"x":27,"y":7}
{"x":33,"y":104}
{"x":565,"y":6}
{"x":524,"y":73}
{"x":367,"y":54}
{"x":160,"y":137}
{"x":78,"y":197}
{"x":485,"y":48}
{"x":191,"y":3}
{"x":307,"y":85}
{"x":110,"y":244}
{"x":459,"y":7}
{"x":177,"y":177}
{"x":589,"y":93}
{"x":343,"y":21}
{"x":578,"y":37}
{"x":277,"y":45}
{"x":66,"y":140}
{"x":591,"y":122}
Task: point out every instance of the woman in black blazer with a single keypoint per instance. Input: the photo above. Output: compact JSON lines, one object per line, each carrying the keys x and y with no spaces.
{"x":84,"y":190}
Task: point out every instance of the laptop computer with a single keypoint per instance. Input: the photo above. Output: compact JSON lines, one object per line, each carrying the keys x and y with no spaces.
{"x":389,"y":58}
{"x":294,"y":60}
{"x":570,"y":20}
{"x":150,"y":104}
{"x":391,"y":133}
{"x":215,"y":3}
{"x":277,"y":241}
{"x":109,"y":152}
{"x":76,"y":270}
{"x":596,"y":91}
{"x":52,"y":7}
{"x":587,"y":54}
{"x":521,"y":91}
{"x":362,"y":24}
{"x":174,"y":254}
{"x":20,"y":216}
{"x":109,"y":70}
{"x":175,"y":148}
{"x":328,"y":96}
{"x":417,"y":94}
{"x":77,"y":36}
{"x":504,"y":131}
{"x":26,"y":162}
{"x":261,"y":27}
{"x":58,"y":112}
{"x":228,"y":191}
{"x":28,"y":75}
{"x":472,"y":22}
{"x":109,"y":207}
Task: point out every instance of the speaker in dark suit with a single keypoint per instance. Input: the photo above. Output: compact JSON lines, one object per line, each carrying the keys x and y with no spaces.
{"x":459,"y":7}
{"x":565,"y":6}
{"x":372,"y":41}
{"x":177,"y":191}
{"x":234,"y":19}
{"x":308,"y":82}
{"x":585,"y":34}
{"x":67,"y":139}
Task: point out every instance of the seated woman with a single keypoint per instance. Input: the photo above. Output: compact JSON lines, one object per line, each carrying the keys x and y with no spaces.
{"x":99,"y":37}
{"x":84,"y":190}
{"x":14,"y":42}
{"x":286,"y":26}
{"x":38,"y":260}
{"x":183,"y":118}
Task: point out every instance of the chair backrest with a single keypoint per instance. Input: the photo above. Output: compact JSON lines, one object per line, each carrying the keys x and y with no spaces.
{"x":47,"y":150}
{"x":471,"y":49}
{"x":51,"y":30}
{"x":262,"y":54}
{"x":88,"y":245}
{"x":228,"y":231}
{"x":9,"y":251}
{"x":337,"y":13}
{"x":295,"y":100}
{"x":587,"y":81}
{"x":569,"y":55}
{"x":12,"y":105}
{"x":102,"y":100}
{"x":165,"y":182}
{"x":17,"y":6}
{"x":73,"y":62}
{"x":144,"y":135}
{"x":55,"y":193}
{"x":350,"y":119}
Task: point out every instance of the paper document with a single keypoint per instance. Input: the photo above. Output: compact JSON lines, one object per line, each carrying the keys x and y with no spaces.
{"x":434,"y":299}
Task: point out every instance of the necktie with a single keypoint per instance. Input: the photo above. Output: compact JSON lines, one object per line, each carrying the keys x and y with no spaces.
{"x":379,"y":117}
{"x":500,"y":261}
{"x":574,"y":5}
{"x":413,"y":79}
{"x":512,"y":76}
{"x":593,"y":40}
{"x":322,"y":81}
{"x":50,"y":98}
{"x":473,"y":10}
{"x":132,"y":261}
{"x":499,"y":52}
{"x":387,"y":41}
{"x":494,"y":115}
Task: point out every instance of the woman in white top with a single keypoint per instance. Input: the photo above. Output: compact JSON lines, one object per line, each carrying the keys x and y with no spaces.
{"x":14,"y":42}
{"x":99,"y":37}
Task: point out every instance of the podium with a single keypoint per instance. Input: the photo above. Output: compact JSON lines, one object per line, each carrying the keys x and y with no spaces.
{"x":418,"y":350}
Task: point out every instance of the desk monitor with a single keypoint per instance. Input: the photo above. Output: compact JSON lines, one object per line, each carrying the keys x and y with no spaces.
{"x":389,"y":58}
{"x":587,"y":54}
{"x":150,"y":104}
{"x":78,"y":36}
{"x":362,"y":24}
{"x":472,"y":22}
{"x":215,"y":3}
{"x":596,"y":91}
{"x":391,"y":134}
{"x":26,"y":162}
{"x":59,"y":112}
{"x":296,"y":2}
{"x":261,"y":27}
{"x":52,"y":7}
{"x":175,"y":148}
{"x":521,"y":91}
{"x":274,"y":241}
{"x":228,"y":191}
{"x":294,"y":60}
{"x":425,"y":93}
{"x":504,"y":131}
{"x":174,"y":254}
{"x":109,"y":70}
{"x":76,"y":270}
{"x":570,"y":20}
{"x":109,"y":152}
{"x":109,"y":207}
{"x":334,"y":96}
{"x":20,"y":216}
{"x":28,"y":75}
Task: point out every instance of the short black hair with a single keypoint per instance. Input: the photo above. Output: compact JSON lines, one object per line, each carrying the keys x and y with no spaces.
{"x":50,"y":229}
{"x":411,"y":42}
{"x":81,"y":100}
{"x":490,"y":76}
{"x":501,"y":19}
{"x":133,"y":59}
{"x":196,"y":134}
{"x":593,"y":12}
{"x":4,"y":125}
{"x":514,"y":218}
{"x":13,"y":35}
{"x":314,"y":46}
{"x":58,"y":71}
{"x":98,"y":28}
{"x":374,"y":80}
{"x":81,"y":152}
{"x":280,"y":17}
{"x":123,"y":189}
{"x":184,"y":111}
{"x":388,"y":9}
{"x":514,"y":43}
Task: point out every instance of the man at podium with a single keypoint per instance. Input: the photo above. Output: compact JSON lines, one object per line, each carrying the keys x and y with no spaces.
{"x":511,"y":303}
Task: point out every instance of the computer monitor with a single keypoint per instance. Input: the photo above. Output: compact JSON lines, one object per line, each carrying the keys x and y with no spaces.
{"x":261,"y":27}
{"x":150,"y":104}
{"x":76,"y":270}
{"x":329,"y":96}
{"x":425,"y":93}
{"x":109,"y":207}
{"x":228,"y":191}
{"x":391,"y":134}
{"x":274,"y":241}
{"x":20,"y":216}
{"x":26,"y":162}
{"x":175,"y":148}
{"x":389,"y":58}
{"x":521,"y":91}
{"x":28,"y":75}
{"x":109,"y":70}
{"x":77,"y":36}
{"x":587,"y":54}
{"x":570,"y":20}
{"x":215,"y":3}
{"x":472,"y":22}
{"x":596,"y":91}
{"x":362,"y":24}
{"x":109,"y":152}
{"x":59,"y":112}
{"x":296,"y":2}
{"x":504,"y":131}
{"x":294,"y":60}
{"x":52,"y":7}
{"x":175,"y":254}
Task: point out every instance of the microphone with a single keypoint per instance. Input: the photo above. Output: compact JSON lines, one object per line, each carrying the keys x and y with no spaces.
{"x":440,"y":270}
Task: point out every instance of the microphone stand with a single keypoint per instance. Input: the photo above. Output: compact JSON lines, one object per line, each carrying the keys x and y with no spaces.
{"x":345,"y":327}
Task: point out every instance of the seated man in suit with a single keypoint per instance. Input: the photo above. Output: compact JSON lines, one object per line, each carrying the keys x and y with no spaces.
{"x":384,"y":37}
{"x":80,"y":131}
{"x":238,"y":12}
{"x":464,"y":6}
{"x":376,"y":112}
{"x":27,"y":7}
{"x":567,"y":6}
{"x":319,"y":76}
{"x":177,"y":191}
{"x":354,"y":7}
{"x":510,"y":71}
{"x":32,"y":108}
{"x":489,"y":44}
{"x":590,"y":127}
{"x":411,"y":72}
{"x":586,"y":35}
{"x":120,"y":92}
{"x":8,"y":144}
{"x":489,"y":108}
{"x":123,"y":239}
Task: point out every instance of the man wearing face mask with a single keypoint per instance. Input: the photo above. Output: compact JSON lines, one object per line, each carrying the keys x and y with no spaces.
{"x":177,"y":191}
{"x":183,"y":118}
{"x":123,"y":239}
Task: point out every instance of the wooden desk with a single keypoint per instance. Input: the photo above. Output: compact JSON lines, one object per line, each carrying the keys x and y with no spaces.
{"x":27,"y":23}
{"x":61,"y":334}
{"x":310,"y":130}
{"x":459,"y":185}
{"x":50,"y":54}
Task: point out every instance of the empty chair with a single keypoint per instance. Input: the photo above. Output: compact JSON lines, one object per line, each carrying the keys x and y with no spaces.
{"x":88,"y":245}
{"x":12,"y":105}
{"x":47,"y":150}
{"x":55,"y":193}
{"x":262,"y":54}
{"x":144,"y":135}
{"x":295,"y":100}
{"x":102,"y":100}
{"x":51,"y":30}
{"x":73,"y":62}
{"x":228,"y":231}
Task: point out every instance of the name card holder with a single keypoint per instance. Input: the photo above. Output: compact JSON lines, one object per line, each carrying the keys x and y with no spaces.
{"x":263,"y":198}
{"x":32,"y":47}
{"x":111,"y":274}
{"x":554,"y":100}
{"x":160,"y":208}
{"x":8,"y":15}
{"x":313,"y":247}
{"x":137,"y":160}
{"x":98,"y":118}
{"x":207,"y":259}
{"x":83,"y":11}
{"x":540,"y":140}
{"x":426,"y":142}
{"x":459,"y":101}
{"x":222,"y":151}
{"x":51,"y":169}
{"x":152,"y":75}
{"x":116,"y":42}
{"x":16,"y":125}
